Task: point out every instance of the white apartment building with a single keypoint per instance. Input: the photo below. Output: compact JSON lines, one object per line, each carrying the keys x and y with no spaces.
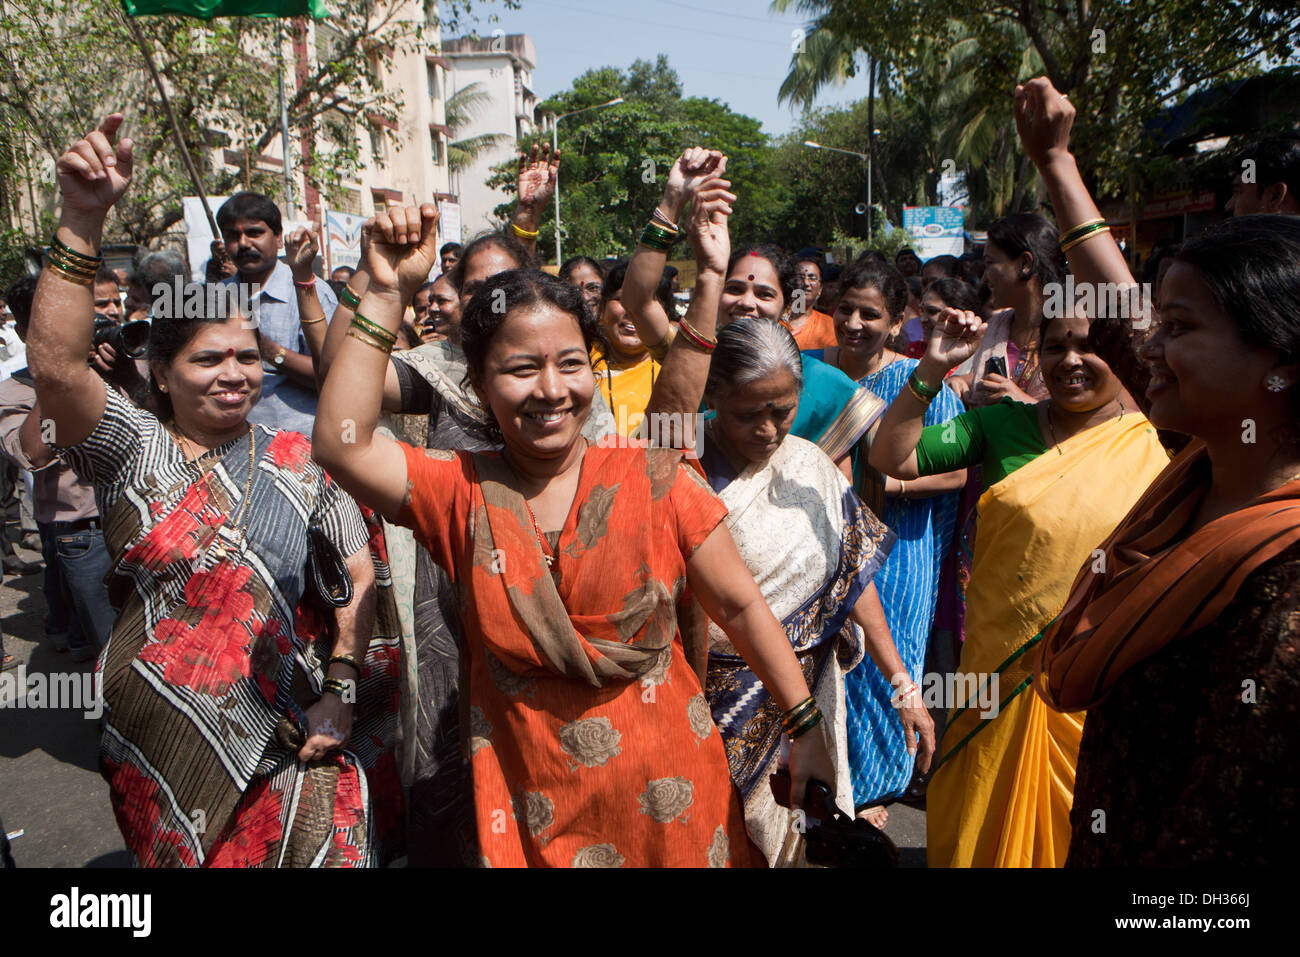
{"x":503,"y":64}
{"x":403,"y":161}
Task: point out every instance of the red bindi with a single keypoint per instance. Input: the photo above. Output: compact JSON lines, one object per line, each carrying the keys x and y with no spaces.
{"x":751,"y":278}
{"x":229,"y":353}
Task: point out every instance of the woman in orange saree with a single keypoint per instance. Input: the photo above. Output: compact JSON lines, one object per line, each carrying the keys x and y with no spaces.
{"x":591,"y":743}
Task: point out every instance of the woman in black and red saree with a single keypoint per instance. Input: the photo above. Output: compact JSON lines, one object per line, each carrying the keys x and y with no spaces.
{"x":247,"y":721}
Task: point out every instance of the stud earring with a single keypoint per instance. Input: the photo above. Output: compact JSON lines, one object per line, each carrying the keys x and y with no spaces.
{"x":1275,"y":383}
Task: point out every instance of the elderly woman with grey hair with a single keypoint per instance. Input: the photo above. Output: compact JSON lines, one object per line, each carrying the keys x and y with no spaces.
{"x":813,"y":548}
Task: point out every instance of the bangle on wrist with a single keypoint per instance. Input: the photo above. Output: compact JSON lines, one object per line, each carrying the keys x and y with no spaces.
{"x":305,"y":283}
{"x":525,"y":233}
{"x":349,"y":298}
{"x":349,"y":660}
{"x":694,"y":337}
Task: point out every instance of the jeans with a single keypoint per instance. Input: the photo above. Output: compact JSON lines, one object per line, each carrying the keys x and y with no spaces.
{"x":83,"y":562}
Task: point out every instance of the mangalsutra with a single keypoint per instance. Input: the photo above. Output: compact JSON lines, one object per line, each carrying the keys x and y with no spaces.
{"x":546,"y":555}
{"x":220,"y":550}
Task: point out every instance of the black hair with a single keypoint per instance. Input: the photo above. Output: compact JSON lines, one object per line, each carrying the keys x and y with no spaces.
{"x":872,"y":255}
{"x":449,"y":248}
{"x":663,"y":293}
{"x":1030,"y":233}
{"x":956,"y":294}
{"x":251,"y":206}
{"x":870,"y":274}
{"x":500,"y":295}
{"x":915,"y":288}
{"x":19,"y":295}
{"x":950,"y":265}
{"x":780,"y":261}
{"x":1252,"y":267}
{"x":104,"y":275}
{"x":810,"y":259}
{"x":573,"y":262}
{"x":503,"y":241}
{"x":351,"y":271}
{"x":427,"y":285}
{"x":1276,"y":160}
{"x":906,"y":251}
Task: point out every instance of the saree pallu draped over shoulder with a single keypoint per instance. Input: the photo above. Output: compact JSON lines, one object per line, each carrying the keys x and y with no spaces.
{"x":1002,"y":791}
{"x":214,"y":657}
{"x":813,"y":549}
{"x":589,"y":737}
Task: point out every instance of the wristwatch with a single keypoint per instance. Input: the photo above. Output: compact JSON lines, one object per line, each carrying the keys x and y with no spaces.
{"x":278,"y":359}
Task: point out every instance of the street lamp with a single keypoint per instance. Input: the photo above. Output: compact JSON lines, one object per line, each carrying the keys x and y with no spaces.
{"x":862,"y":156}
{"x":555,"y":148}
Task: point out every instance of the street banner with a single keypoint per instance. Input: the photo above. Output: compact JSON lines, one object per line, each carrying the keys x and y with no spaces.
{"x":934,"y":231}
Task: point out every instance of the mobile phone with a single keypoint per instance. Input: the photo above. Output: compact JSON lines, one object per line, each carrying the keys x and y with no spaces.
{"x":997,"y":365}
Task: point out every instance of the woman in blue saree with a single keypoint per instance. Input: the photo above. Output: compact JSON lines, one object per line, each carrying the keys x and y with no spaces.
{"x":921,"y":514}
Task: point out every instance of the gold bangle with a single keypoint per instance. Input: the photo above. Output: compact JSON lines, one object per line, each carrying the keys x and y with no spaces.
{"x":695,"y":337}
{"x":383,"y":347}
{"x":311,"y":322}
{"x":92,"y":260}
{"x":373,"y":329}
{"x":525,"y":233}
{"x":69,"y":277}
{"x":1074,"y":232}
{"x":1066,"y":247}
{"x":52,"y":255}
{"x":792,"y":716}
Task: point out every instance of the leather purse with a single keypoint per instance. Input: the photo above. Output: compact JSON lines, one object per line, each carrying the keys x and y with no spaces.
{"x":327,"y":571}
{"x":831,"y":838}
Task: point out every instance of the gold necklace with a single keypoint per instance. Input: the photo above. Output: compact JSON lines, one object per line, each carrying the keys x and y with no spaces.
{"x":546,"y":556}
{"x":1051,"y":428}
{"x":219,"y":550}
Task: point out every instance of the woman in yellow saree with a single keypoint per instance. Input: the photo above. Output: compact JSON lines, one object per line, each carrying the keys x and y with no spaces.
{"x":1061,"y":474}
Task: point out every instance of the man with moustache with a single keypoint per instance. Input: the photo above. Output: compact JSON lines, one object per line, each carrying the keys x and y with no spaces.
{"x":251,"y":227}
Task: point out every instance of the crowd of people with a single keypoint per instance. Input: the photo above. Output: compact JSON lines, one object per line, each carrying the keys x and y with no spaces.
{"x":451,"y":560}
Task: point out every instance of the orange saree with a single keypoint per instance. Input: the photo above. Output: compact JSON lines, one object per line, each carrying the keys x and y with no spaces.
{"x":590,"y":740}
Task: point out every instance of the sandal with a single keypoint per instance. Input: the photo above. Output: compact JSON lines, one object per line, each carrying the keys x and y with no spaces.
{"x":876,"y":816}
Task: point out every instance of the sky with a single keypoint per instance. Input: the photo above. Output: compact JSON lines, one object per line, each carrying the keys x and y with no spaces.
{"x":736,"y":51}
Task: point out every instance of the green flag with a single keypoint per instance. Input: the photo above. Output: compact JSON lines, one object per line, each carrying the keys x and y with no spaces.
{"x":208,"y":9}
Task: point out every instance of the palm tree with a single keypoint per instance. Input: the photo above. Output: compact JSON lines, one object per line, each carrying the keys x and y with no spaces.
{"x":461,"y":108}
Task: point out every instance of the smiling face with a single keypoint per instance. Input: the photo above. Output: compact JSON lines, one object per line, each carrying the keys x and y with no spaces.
{"x":253,"y":247}
{"x":444,"y":308}
{"x":1206,"y":378}
{"x":810,"y":281}
{"x":752,"y":289}
{"x":537,"y":381}
{"x":1076,"y":377}
{"x":754,"y":419}
{"x":486,"y":262}
{"x":1002,"y":275}
{"x":590,"y":283}
{"x":863,"y":324}
{"x":620,"y":331}
{"x":215,"y":379}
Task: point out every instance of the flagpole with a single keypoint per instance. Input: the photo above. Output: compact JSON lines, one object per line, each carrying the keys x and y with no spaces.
{"x":176,"y":130}
{"x":284,"y":120}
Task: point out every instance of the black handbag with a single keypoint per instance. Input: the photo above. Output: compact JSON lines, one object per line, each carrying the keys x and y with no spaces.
{"x":831,"y":838}
{"x":327,"y":571}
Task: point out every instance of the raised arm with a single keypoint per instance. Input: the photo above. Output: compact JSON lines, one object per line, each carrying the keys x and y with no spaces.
{"x":337,"y":330}
{"x":954,"y":339}
{"x":300,"y":249}
{"x":1043,"y":119}
{"x":691,"y":170}
{"x":402,"y":248}
{"x":92,"y":176}
{"x":679,"y":387}
{"x":535,"y":187}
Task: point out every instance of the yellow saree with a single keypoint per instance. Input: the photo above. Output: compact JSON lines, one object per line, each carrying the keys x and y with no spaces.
{"x":1001,"y":796}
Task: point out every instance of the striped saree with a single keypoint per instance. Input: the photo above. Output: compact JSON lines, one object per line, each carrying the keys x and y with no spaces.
{"x":215,"y":654}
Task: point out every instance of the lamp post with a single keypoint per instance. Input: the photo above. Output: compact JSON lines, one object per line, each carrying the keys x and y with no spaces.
{"x":555,"y":148}
{"x":862,"y":156}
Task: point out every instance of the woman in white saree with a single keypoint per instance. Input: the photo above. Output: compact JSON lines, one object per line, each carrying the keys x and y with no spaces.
{"x":813,"y":548}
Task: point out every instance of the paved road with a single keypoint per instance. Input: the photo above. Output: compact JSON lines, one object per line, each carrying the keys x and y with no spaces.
{"x":50,"y":787}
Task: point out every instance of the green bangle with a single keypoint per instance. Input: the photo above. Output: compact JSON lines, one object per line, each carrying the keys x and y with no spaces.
{"x":373,"y":329}
{"x":804,"y":727}
{"x":349,"y":298}
{"x":920,"y":387}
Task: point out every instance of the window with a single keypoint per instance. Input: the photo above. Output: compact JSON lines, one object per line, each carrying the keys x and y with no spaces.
{"x":378,"y":147}
{"x":433,"y":82}
{"x":439,"y":151}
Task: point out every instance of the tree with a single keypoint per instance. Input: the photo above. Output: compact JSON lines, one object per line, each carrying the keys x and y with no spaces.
{"x":64,"y":63}
{"x":1120,"y":61}
{"x":461,"y":108}
{"x":616,"y":159}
